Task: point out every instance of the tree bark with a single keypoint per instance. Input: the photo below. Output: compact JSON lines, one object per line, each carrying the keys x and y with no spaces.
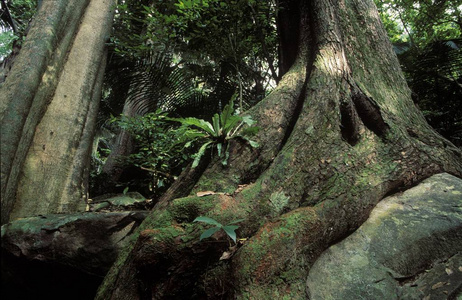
{"x":339,"y":133}
{"x":48,"y":107}
{"x":124,"y":146}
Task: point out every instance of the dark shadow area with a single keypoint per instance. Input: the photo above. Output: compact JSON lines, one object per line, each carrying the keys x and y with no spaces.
{"x":38,"y":280}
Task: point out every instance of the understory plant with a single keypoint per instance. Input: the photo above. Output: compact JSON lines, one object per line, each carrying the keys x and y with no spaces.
{"x":229,"y":229}
{"x":217,"y":134}
{"x":165,"y":145}
{"x":160,"y":147}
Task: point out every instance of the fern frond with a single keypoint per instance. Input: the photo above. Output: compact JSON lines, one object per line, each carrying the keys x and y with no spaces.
{"x":199,"y":123}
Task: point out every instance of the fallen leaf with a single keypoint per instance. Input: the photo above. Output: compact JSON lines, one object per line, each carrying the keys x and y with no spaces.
{"x":205,"y":193}
{"x":449,"y":271}
{"x":240,"y":187}
{"x":438,"y":285}
{"x":226,"y":255}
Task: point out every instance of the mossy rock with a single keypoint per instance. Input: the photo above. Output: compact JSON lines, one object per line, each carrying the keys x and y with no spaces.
{"x":397,"y":253}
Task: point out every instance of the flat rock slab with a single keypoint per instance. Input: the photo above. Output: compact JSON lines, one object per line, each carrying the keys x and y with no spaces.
{"x":119,"y":202}
{"x":409,"y":248}
{"x":56,"y":256}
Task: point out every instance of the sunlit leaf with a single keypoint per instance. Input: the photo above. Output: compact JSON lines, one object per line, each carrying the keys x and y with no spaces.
{"x":207,"y":220}
{"x":248,"y":120}
{"x":199,"y":123}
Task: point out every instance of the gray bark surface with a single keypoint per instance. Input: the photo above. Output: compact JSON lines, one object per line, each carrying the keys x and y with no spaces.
{"x":49,"y":109}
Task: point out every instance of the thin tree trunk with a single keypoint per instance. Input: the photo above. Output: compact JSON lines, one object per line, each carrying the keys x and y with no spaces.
{"x":49,"y":102}
{"x":339,"y":133}
{"x":123,"y":147}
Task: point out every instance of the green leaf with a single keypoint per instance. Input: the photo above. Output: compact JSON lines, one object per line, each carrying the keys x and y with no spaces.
{"x":125,"y":190}
{"x":199,"y":123}
{"x":248,"y":120}
{"x":160,"y":183}
{"x":231,"y":122}
{"x":216,"y":125}
{"x":199,"y":154}
{"x":253,"y":144}
{"x":209,"y":232}
{"x":193,"y":133}
{"x":219,"y":148}
{"x":227,"y":113}
{"x":230,"y":231}
{"x":207,"y":220}
{"x":236,"y":221}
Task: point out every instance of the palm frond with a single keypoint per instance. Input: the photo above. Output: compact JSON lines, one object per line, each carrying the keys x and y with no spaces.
{"x":152,"y":82}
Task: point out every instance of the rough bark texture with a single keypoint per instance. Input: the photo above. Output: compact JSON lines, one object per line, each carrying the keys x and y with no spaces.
{"x":338,"y":134}
{"x":49,"y":104}
{"x":124,"y":146}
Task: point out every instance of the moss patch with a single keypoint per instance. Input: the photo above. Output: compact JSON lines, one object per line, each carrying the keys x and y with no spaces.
{"x":186,"y":209}
{"x":273,"y":258}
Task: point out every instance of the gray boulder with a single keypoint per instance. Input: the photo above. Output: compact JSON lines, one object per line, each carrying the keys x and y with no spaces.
{"x":409,"y":248}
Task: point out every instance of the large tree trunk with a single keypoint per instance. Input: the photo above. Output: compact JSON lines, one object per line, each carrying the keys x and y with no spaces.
{"x":48,"y":108}
{"x":339,"y":133}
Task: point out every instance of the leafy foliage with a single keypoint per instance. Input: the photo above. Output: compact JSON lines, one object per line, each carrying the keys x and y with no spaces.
{"x":426,"y":37}
{"x":421,"y":22}
{"x":7,"y":39}
{"x":160,"y":148}
{"x":229,"y":229}
{"x":435,"y":75}
{"x":229,"y":43}
{"x":15,"y":17}
{"x":224,"y":127}
{"x":185,"y":57}
{"x":152,"y":82}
